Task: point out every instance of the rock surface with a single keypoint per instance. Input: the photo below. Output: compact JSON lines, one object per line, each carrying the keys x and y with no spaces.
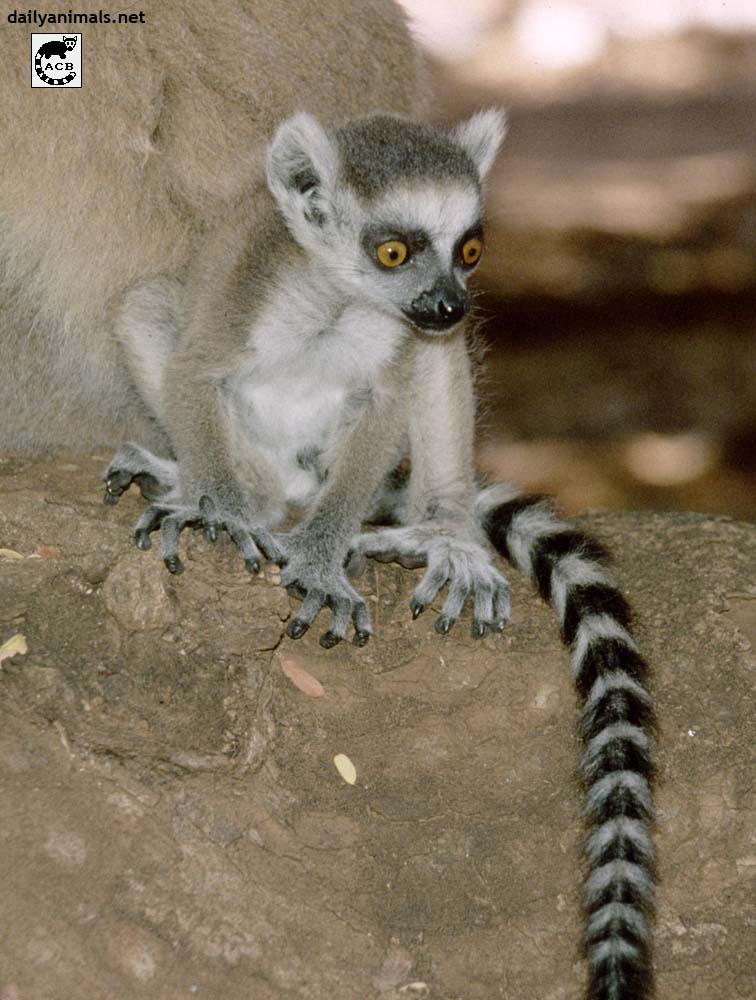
{"x":173,"y":824}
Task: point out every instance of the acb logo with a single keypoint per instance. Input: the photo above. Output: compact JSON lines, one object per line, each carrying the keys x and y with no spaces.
{"x":56,"y":60}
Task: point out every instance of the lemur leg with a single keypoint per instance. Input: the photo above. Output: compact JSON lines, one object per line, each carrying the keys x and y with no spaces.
{"x":443,"y":532}
{"x":148,"y":327}
{"x":202,"y":489}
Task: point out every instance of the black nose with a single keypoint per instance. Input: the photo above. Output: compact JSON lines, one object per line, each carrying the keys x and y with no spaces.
{"x":451,"y":311}
{"x":439,"y":308}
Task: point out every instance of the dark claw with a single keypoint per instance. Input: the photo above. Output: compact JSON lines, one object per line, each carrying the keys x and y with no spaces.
{"x":443,"y":624}
{"x":174,"y":564}
{"x":142,"y":540}
{"x":253,"y":566}
{"x":329,"y":639}
{"x":417,"y":608}
{"x":478,"y":629}
{"x":116,"y":484}
{"x":211,"y":533}
{"x":296,"y":629}
{"x":361,"y":637}
{"x":500,"y":626}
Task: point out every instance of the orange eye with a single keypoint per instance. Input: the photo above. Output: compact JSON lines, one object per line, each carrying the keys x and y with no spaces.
{"x":392,"y":253}
{"x":471,"y":251}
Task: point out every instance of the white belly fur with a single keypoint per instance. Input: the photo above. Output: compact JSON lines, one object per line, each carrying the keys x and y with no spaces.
{"x":301,"y":386}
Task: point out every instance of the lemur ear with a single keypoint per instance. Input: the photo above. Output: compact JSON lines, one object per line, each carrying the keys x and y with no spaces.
{"x":302,"y":167}
{"x":481,"y":136}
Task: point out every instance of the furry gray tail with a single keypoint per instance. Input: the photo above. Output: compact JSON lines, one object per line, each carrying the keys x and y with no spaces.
{"x":616,"y":726}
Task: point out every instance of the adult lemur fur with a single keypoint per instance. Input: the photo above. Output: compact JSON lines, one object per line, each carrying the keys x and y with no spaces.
{"x":303,"y":335}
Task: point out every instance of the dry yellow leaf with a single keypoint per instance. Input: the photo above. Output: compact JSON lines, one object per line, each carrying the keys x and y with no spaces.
{"x":10,"y":554}
{"x":48,"y":552}
{"x":345,"y":768}
{"x":302,"y":678}
{"x":14,"y":646}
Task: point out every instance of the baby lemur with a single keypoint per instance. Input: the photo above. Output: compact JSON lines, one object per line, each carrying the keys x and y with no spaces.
{"x":319,"y":343}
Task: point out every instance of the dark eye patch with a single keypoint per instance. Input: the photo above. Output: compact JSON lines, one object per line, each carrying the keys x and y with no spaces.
{"x":415,"y":240}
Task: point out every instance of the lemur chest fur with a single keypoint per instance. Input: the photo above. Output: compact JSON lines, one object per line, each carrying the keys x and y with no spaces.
{"x":310,"y":368}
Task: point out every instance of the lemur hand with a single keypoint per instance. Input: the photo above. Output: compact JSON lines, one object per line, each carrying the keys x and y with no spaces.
{"x":452,"y":558}
{"x":309,"y":572}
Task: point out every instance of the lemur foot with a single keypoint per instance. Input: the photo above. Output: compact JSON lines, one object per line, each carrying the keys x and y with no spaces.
{"x":170,"y":514}
{"x":320,"y":585}
{"x":462,"y":563}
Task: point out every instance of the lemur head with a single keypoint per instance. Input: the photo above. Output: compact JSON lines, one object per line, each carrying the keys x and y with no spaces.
{"x":389,"y":207}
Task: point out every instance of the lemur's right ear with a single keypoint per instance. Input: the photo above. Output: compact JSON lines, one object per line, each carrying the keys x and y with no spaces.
{"x":481,"y":136}
{"x":302,"y":168}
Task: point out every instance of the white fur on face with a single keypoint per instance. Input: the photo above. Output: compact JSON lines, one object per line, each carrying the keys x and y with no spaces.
{"x":445,"y":211}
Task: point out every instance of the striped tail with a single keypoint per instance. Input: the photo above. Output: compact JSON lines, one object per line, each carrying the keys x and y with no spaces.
{"x":616,"y":725}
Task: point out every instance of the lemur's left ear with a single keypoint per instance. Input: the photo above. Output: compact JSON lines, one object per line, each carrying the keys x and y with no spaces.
{"x":481,"y":136}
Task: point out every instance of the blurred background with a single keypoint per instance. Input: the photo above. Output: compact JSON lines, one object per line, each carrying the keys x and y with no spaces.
{"x":619,"y":283}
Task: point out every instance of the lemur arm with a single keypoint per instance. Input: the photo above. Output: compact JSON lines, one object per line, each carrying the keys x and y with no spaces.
{"x":442,"y":531}
{"x":199,"y":434}
{"x":441,"y":431}
{"x":316,"y":550}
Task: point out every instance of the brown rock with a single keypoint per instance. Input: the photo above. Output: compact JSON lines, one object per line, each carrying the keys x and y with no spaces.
{"x":135,"y":593}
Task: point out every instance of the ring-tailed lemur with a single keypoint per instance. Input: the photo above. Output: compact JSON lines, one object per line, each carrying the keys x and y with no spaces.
{"x":302,"y":362}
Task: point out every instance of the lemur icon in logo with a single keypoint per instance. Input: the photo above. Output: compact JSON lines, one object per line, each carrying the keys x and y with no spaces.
{"x":55,"y":61}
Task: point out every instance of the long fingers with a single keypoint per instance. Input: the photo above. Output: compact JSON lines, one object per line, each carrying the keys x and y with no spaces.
{"x":487,"y":587}
{"x":170,"y":529}
{"x":313,"y":602}
{"x":459,"y":588}
{"x":347,"y":607}
{"x":148,"y":522}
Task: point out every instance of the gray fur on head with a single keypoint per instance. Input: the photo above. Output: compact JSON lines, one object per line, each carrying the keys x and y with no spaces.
{"x":373,"y":154}
{"x":380,"y":151}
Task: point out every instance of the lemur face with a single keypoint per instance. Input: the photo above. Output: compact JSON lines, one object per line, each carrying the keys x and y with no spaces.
{"x":389,"y":208}
{"x":418,"y":246}
{"x":69,"y":42}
